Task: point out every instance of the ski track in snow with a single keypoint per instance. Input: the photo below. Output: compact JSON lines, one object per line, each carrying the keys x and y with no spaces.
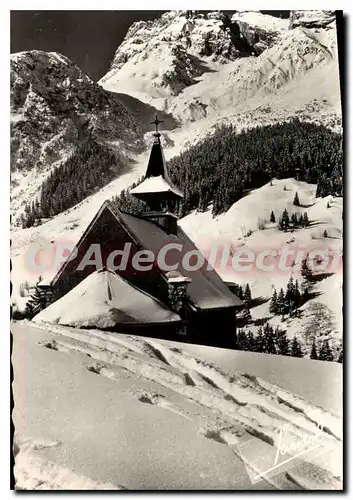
{"x":239,"y":407}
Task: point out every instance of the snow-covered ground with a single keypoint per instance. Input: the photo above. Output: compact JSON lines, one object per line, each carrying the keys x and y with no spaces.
{"x":228,"y":229}
{"x":97,"y":410}
{"x":232,"y":229}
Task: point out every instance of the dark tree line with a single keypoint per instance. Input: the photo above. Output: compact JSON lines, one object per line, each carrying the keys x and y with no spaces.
{"x":223,"y":167}
{"x":36,"y":301}
{"x":288,"y":301}
{"x":325,"y":353}
{"x":128,"y":203}
{"x":244,"y":294}
{"x":220,"y":169}
{"x":269,"y":340}
{"x":295,"y":221}
{"x":91,"y":167}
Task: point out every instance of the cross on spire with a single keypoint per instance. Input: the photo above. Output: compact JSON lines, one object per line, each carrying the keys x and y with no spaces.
{"x":156,"y":122}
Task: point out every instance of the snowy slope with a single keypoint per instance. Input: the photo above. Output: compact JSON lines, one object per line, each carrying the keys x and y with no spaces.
{"x":231,"y":228}
{"x":54,"y":108}
{"x":226,"y":229}
{"x":127,"y":412}
{"x":297,"y":73}
{"x":104,"y":300}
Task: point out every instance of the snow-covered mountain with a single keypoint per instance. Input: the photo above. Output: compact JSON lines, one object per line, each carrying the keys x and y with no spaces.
{"x":198,"y":70}
{"x":54,"y":107}
{"x":190,"y":65}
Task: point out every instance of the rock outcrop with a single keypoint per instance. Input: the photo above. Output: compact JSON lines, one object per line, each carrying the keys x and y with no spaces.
{"x":311,"y":18}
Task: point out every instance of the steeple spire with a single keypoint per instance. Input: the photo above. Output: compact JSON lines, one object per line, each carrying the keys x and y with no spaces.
{"x":157,"y":186}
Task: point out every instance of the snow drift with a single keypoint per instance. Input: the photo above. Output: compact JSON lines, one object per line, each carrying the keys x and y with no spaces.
{"x":104,"y":300}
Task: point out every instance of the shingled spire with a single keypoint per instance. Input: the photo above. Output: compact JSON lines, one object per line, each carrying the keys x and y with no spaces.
{"x":157,"y":187}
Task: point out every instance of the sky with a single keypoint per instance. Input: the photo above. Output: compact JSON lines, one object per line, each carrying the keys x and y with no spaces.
{"x":88,"y":38}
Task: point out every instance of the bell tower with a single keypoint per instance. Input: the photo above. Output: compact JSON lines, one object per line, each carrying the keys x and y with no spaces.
{"x":157,"y":188}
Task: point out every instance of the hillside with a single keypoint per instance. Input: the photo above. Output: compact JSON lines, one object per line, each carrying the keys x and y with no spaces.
{"x":186,"y":417}
{"x":55,"y":108}
{"x":239,"y":228}
{"x":294,"y":73}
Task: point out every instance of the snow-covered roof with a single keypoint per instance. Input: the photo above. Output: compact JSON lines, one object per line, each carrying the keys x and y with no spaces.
{"x":156,"y":185}
{"x":105,"y":300}
{"x":157,"y":179}
{"x":206,"y":289}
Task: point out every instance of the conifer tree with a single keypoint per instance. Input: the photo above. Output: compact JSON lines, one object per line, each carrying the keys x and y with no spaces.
{"x":251,"y":341}
{"x":247,"y":315}
{"x":282,"y":342}
{"x":313,"y":352}
{"x":297,"y":295}
{"x":340,"y":356}
{"x":294,"y":220}
{"x":272,"y":217}
{"x":247,"y":295}
{"x":36,"y":302}
{"x":325,"y":353}
{"x":305,"y":219}
{"x":301,"y":221}
{"x":281,"y":303}
{"x":306,"y":272}
{"x":285,"y":220}
{"x":242,"y":341}
{"x":295,"y":348}
{"x":273,"y":304}
{"x":290,"y":296}
{"x":280,"y":224}
{"x":259,"y":341}
{"x":269,"y":340}
{"x":296,"y":201}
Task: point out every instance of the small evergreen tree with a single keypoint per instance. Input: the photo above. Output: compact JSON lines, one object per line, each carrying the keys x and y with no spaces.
{"x":313,"y":352}
{"x":269,"y":340}
{"x":294,"y":220}
{"x":273,"y":304}
{"x":295,"y":348}
{"x":290,"y":296}
{"x":297,"y":295}
{"x":251,"y":346}
{"x":325,"y":234}
{"x":306,"y":272}
{"x":247,"y":295}
{"x":328,"y":205}
{"x":285,"y":219}
{"x":242,"y":341}
{"x":272,"y":217}
{"x":305,"y":219}
{"x":325,"y":353}
{"x":36,"y":302}
{"x":259,"y":341}
{"x":296,"y":201}
{"x":281,"y":303}
{"x":340,"y":356}
{"x":247,"y":315}
{"x":282,"y":342}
